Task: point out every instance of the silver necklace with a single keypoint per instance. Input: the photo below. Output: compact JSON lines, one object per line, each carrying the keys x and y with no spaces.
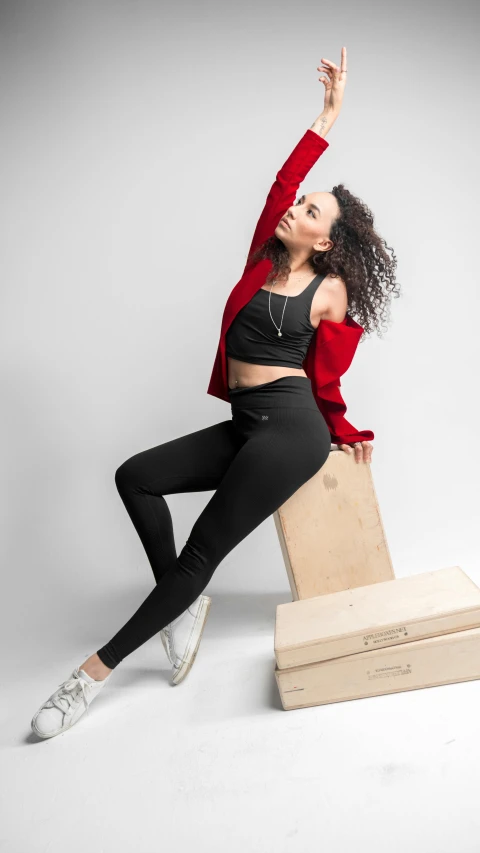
{"x":278,"y":328}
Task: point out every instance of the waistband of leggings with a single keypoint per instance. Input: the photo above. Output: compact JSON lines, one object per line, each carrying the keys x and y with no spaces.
{"x":295,"y":391}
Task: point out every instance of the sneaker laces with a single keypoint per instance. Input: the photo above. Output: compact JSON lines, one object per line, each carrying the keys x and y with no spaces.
{"x":69,"y":692}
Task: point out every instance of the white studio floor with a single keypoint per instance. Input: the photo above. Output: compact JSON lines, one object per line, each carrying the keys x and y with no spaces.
{"x":215,"y":762}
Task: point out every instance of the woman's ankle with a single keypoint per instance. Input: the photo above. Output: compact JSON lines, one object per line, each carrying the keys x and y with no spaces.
{"x":95,"y":668}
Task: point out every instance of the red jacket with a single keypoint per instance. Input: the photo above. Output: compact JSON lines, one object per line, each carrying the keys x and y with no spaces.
{"x":333,"y":345}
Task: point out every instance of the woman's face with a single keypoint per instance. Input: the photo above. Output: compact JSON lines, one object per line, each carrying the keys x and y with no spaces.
{"x":310,"y":219}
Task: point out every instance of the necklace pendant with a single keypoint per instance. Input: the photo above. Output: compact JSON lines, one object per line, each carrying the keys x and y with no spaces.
{"x":279,"y":334}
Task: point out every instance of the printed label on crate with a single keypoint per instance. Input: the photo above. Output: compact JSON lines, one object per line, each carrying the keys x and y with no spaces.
{"x":381,"y":636}
{"x":388,"y":672}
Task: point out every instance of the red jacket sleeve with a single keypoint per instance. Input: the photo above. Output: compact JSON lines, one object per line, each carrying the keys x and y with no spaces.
{"x":333,"y":408}
{"x":283,"y":191}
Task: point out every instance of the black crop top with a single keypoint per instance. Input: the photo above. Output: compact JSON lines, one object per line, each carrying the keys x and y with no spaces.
{"x":253,"y":337}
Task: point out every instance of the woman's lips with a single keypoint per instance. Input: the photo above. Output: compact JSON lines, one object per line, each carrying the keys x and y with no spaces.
{"x":284,"y":222}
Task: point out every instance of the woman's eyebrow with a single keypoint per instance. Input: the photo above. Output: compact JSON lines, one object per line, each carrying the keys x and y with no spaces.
{"x":311,"y":204}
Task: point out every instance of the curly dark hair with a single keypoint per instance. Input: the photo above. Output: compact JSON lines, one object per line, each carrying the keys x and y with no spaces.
{"x":359,"y":256}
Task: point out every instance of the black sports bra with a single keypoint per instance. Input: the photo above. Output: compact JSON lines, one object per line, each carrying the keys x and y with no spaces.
{"x":254,"y":338}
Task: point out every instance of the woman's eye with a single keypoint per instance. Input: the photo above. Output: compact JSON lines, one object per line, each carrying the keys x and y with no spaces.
{"x":309,"y":209}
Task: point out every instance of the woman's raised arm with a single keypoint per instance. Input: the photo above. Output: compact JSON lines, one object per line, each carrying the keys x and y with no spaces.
{"x":303,"y":157}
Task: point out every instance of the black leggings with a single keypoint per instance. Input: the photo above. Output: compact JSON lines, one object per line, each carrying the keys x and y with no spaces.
{"x":276,"y":440}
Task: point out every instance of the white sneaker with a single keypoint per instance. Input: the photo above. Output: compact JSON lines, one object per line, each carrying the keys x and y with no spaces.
{"x":67,"y":704}
{"x":181,"y":638}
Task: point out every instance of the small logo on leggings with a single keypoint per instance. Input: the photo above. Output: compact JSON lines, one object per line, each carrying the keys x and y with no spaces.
{"x":264,"y":417}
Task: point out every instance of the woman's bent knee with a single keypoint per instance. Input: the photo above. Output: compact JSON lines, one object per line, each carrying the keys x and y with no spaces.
{"x":125,"y":475}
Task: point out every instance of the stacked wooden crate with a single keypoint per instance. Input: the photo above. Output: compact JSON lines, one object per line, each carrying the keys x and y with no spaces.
{"x":353,"y":629}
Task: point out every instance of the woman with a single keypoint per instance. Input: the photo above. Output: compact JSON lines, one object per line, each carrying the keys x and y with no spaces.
{"x":279,"y":360}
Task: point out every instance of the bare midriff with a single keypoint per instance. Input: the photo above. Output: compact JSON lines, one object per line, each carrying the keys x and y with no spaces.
{"x":242,"y":374}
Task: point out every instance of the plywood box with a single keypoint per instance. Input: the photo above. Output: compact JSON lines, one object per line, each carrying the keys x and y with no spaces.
{"x":331,"y":532}
{"x":431,"y":662}
{"x":376,"y":616}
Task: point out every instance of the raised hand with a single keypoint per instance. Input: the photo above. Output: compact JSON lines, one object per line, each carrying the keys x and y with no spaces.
{"x":334,"y":83}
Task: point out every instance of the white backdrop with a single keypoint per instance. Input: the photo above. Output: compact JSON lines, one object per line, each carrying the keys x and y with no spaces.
{"x":139,"y":141}
{"x":138,"y":151}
